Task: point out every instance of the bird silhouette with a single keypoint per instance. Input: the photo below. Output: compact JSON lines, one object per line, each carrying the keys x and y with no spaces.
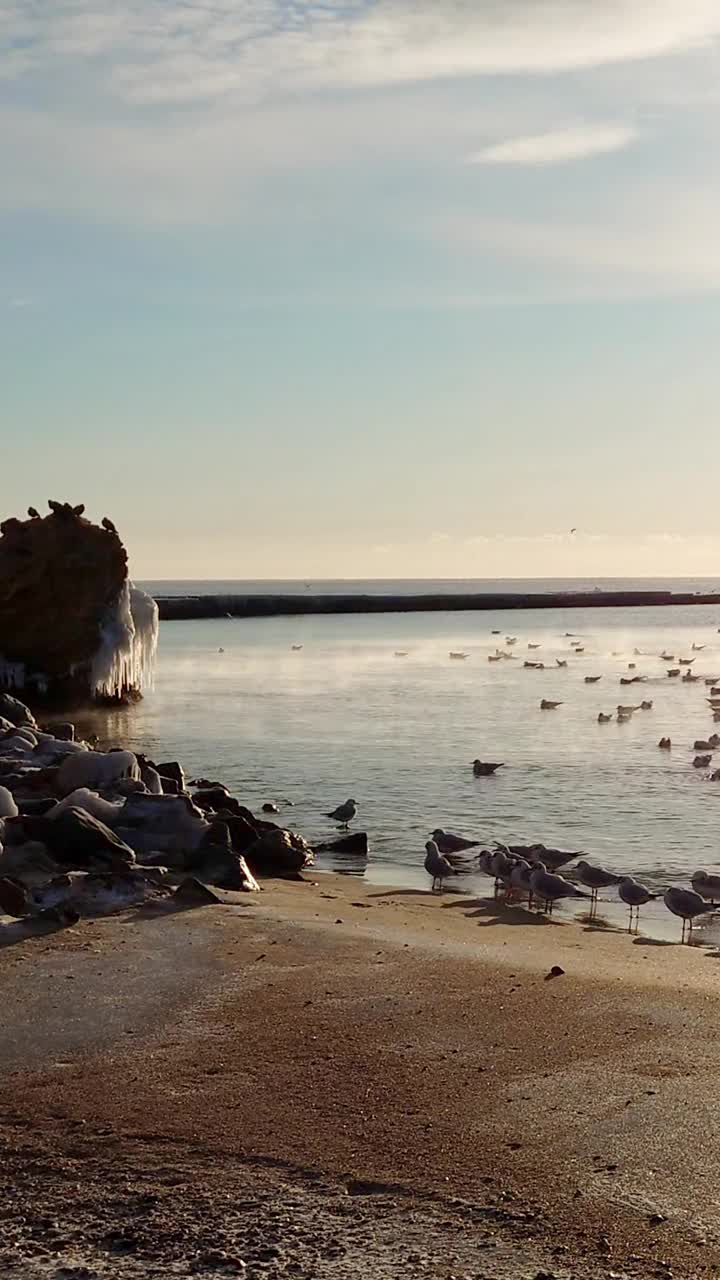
{"x":33,"y":514}
{"x":108,"y":525}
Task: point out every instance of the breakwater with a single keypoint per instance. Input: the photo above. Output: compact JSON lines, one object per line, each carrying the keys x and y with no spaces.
{"x":175,"y":608}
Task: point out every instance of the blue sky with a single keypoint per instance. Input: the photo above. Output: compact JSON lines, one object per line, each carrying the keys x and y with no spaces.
{"x":366,"y":289}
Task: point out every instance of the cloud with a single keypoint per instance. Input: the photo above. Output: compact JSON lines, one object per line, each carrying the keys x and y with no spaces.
{"x":152,"y":51}
{"x":558,"y":147}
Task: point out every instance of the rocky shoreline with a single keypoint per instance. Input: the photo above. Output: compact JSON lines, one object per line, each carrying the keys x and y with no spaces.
{"x":85,"y":832}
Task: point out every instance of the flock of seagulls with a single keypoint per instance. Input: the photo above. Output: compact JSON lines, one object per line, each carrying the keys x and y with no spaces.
{"x":531,"y":872}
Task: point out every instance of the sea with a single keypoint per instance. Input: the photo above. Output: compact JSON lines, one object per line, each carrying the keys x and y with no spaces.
{"x":308,"y":711}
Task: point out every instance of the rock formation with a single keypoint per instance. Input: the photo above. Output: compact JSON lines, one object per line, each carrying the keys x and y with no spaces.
{"x":71,"y":622}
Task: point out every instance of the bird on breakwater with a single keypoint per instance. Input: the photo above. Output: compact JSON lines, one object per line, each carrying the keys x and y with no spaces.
{"x":687,"y":904}
{"x":108,"y":525}
{"x":33,"y":513}
{"x":635,"y":895}
{"x":344,"y":813}
{"x":437,"y":866}
{"x":707,"y":886}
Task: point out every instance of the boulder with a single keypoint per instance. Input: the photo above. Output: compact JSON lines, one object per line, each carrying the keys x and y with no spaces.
{"x":10,"y":708}
{"x":193,"y":893}
{"x":175,"y":820}
{"x":356,"y":842}
{"x":98,"y":770}
{"x":242,"y":833}
{"x":76,"y":839}
{"x":65,"y":731}
{"x":174,"y":771}
{"x":216,"y":798}
{"x":220,"y":866}
{"x":107,"y":811}
{"x":151,"y":778}
{"x":279,"y":853}
{"x":13,"y":899}
{"x":29,"y":864}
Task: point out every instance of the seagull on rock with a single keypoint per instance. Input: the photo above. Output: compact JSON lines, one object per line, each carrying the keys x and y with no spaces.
{"x":344,"y":813}
{"x":437,"y":866}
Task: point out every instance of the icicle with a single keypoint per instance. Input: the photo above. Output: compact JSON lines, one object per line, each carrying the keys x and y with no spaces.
{"x":12,"y":674}
{"x":128,"y":644}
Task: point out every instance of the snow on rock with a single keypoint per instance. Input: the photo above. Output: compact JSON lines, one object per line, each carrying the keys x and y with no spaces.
{"x":83,"y":798}
{"x":98,"y":770}
{"x":8,"y":807}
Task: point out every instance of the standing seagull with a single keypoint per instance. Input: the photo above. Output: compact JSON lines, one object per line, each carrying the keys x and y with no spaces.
{"x":344,"y":813}
{"x":436,"y":865}
{"x":707,"y":886}
{"x":595,"y":879}
{"x":686,"y":904}
{"x":549,"y":888}
{"x":635,"y":895}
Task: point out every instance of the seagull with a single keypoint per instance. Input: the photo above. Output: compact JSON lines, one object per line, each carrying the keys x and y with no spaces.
{"x":436,"y":865}
{"x":520,"y":876}
{"x":646,"y":706}
{"x":546,"y":705}
{"x":698,"y":647}
{"x":539,"y":853}
{"x":592,"y":679}
{"x":707,"y":886}
{"x":665,"y":744}
{"x":33,"y":514}
{"x":687,"y":904}
{"x":701,"y":762}
{"x":701,"y":745}
{"x":449,"y":843}
{"x":296,"y":648}
{"x":562,"y":662}
{"x":603,"y":719}
{"x":595,"y":878}
{"x":550,"y":888}
{"x":344,"y":813}
{"x":534,"y":646}
{"x":635,"y":895}
{"x":108,"y":525}
{"x":485,"y":768}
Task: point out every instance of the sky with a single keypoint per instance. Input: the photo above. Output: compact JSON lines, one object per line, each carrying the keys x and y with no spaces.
{"x":365,"y":288}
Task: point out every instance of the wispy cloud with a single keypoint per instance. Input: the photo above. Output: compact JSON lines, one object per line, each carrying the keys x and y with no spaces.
{"x":558,"y":147}
{"x":151,"y":51}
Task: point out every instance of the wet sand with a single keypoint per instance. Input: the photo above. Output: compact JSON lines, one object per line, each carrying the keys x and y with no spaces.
{"x":361,"y":1081}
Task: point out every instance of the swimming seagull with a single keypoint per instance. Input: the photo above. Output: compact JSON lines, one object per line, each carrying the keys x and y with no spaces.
{"x":436,"y":865}
{"x":595,"y":879}
{"x":707,"y":886}
{"x":344,"y":813}
{"x":635,"y":895}
{"x":485,"y":768}
{"x":550,"y":888}
{"x":547,"y":705}
{"x":686,"y":904}
{"x":449,"y":843}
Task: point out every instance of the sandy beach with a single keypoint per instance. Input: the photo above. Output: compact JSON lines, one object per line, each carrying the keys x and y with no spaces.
{"x":332,"y":1076}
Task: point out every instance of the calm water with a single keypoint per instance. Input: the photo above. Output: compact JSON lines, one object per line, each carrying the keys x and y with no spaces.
{"x":345,"y":717}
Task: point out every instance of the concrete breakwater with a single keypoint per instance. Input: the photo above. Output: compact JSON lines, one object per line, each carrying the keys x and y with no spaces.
{"x":175,"y":608}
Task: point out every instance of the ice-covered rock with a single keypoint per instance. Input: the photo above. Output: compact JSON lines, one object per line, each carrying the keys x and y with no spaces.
{"x":8,"y":807}
{"x":71,"y":622}
{"x":106,"y":811}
